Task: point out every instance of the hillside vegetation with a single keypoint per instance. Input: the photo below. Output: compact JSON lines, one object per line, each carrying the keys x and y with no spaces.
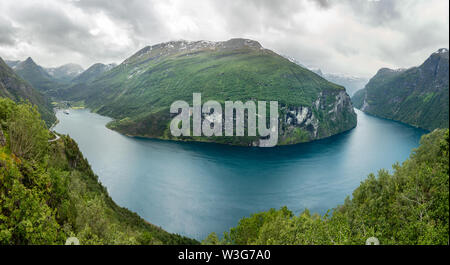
{"x":409,"y":206}
{"x":139,"y":92}
{"x":418,"y":96}
{"x":37,"y":76}
{"x":14,"y":87}
{"x":48,"y":191}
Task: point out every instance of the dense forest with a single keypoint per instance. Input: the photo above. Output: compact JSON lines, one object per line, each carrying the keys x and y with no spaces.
{"x":48,"y":191}
{"x":409,"y":206}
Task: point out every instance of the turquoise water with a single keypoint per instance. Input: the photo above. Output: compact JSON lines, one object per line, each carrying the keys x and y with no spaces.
{"x":197,"y":188}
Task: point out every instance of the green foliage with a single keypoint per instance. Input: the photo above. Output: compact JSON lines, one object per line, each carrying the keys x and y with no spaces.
{"x":36,"y":76}
{"x":25,"y":218}
{"x":410,"y":206}
{"x":418,"y":96}
{"x":27,"y":133}
{"x":211,"y":239}
{"x":14,"y":87}
{"x":48,"y":191}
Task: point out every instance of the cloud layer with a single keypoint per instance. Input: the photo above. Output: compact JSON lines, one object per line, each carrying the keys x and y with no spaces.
{"x":348,"y":36}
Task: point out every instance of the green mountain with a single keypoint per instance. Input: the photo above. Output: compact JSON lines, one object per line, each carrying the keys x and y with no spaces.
{"x":48,"y":191}
{"x":417,"y":96}
{"x":37,"y":76}
{"x":407,"y":207}
{"x":92,"y":73}
{"x":139,"y":92}
{"x":17,"y":89}
{"x":65,"y":73}
{"x":77,"y":86}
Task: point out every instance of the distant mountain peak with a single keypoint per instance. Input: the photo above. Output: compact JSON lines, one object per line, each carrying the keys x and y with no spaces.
{"x":29,"y":60}
{"x":441,"y":50}
{"x":29,"y":64}
{"x":93,"y":72}
{"x":65,"y":73}
{"x":231,"y":43}
{"x":185,"y":46}
{"x":386,"y":70}
{"x":350,"y":82}
{"x":14,"y":87}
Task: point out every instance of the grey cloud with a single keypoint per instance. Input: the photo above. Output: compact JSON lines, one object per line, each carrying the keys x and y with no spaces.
{"x":250,"y":16}
{"x":323,"y":3}
{"x":352,"y":36}
{"x":376,"y":13}
{"x":141,"y":16}
{"x":344,"y":49}
{"x":54,"y":31}
{"x":51,"y":27}
{"x":7,"y":33}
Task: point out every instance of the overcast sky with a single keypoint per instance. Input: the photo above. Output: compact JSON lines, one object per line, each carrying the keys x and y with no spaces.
{"x":348,"y":36}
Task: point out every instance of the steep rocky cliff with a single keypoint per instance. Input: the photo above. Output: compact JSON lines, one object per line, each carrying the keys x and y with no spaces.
{"x":330,"y":114}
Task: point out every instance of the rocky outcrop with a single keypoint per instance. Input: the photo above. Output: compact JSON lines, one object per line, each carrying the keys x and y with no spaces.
{"x":320,"y":120}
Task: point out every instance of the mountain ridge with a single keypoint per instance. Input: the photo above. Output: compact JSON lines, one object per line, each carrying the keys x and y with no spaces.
{"x":418,"y":96}
{"x":36,"y":75}
{"x":138,"y":92}
{"x":14,"y":87}
{"x":65,"y":73}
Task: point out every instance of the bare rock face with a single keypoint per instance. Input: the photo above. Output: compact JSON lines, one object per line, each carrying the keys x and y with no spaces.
{"x":320,"y":120}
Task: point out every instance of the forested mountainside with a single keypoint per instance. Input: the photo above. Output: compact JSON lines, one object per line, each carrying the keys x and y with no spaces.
{"x":418,"y":96}
{"x":14,"y":87}
{"x":48,"y":191}
{"x":56,"y":82}
{"x":62,"y":74}
{"x":37,"y":76}
{"x":409,"y":206}
{"x":139,"y":92}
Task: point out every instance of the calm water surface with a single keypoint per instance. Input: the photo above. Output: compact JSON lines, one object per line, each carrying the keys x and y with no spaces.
{"x":197,"y":188}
